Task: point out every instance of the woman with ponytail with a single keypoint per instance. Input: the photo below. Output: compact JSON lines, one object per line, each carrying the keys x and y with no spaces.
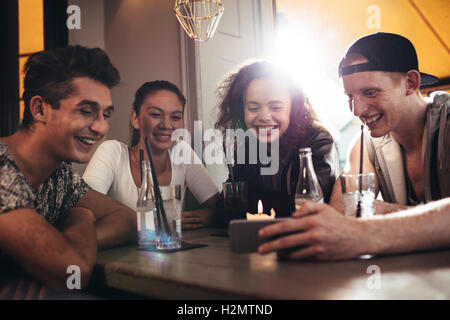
{"x":115,"y":167}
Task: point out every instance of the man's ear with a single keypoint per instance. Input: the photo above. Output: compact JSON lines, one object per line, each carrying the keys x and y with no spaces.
{"x":134,"y":119}
{"x":412,"y":81}
{"x":39,"y":109}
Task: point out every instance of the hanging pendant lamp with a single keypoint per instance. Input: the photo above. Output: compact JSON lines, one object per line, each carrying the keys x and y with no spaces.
{"x":199,"y":18}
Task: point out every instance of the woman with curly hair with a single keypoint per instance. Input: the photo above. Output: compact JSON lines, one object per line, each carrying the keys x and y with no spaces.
{"x":264,"y":99}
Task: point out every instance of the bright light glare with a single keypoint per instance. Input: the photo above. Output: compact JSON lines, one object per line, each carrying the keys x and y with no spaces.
{"x":301,"y":52}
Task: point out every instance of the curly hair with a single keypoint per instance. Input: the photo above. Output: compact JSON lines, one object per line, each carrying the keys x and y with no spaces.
{"x":49,"y":74}
{"x":232,"y":93}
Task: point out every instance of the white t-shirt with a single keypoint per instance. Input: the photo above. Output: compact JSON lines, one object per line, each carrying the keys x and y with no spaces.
{"x":109,"y":172}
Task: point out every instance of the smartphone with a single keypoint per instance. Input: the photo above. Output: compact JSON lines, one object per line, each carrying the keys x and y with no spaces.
{"x":244,"y":234}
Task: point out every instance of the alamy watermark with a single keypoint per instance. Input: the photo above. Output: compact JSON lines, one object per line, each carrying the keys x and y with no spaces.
{"x":374,"y":281}
{"x":213,"y":152}
{"x":74,"y":280}
{"x":374,"y":19}
{"x":74,"y":18}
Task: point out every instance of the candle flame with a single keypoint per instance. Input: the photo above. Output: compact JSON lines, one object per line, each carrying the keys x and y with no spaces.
{"x":260,"y":215}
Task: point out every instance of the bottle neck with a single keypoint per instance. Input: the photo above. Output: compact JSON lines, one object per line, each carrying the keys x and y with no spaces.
{"x":145,"y":197}
{"x":305,"y":162}
{"x":145,"y":173}
{"x":308,"y":187}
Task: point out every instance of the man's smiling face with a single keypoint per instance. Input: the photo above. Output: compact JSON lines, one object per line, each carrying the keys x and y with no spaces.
{"x":377,"y":98}
{"x":81,"y":121}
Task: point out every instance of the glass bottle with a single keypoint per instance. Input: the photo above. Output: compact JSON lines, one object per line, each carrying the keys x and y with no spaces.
{"x":145,"y":206}
{"x":308,"y":187}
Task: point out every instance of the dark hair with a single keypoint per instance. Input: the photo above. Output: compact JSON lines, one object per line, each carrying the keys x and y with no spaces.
{"x":232,"y":92}
{"x":49,"y":74}
{"x":143,"y":92}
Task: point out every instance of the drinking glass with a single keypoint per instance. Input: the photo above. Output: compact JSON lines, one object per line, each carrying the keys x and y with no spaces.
{"x":235,"y":199}
{"x":168,"y":224}
{"x":358,"y":190}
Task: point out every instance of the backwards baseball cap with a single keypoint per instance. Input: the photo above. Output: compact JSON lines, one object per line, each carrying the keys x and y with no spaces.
{"x":385,"y":52}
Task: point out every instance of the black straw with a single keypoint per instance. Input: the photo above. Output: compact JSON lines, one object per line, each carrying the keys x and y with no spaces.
{"x":358,"y":209}
{"x":158,"y":199}
{"x":230,"y":169}
{"x":141,"y":159}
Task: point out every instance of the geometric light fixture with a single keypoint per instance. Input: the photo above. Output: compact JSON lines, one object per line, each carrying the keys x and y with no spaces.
{"x":199,"y":18}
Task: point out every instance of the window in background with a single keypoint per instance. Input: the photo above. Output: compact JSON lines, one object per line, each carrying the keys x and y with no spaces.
{"x":31,"y":36}
{"x":312,"y":36}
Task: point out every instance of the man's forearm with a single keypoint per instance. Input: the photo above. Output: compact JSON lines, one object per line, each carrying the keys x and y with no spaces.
{"x":115,"y":223}
{"x":79,"y":229}
{"x":46,"y":252}
{"x":116,"y":228}
{"x":382,"y":207}
{"x":420,"y":228}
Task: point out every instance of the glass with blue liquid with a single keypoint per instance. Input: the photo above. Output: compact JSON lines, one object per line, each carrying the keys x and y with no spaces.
{"x":168,"y":224}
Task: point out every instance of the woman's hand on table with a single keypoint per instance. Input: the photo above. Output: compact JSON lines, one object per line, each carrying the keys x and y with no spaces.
{"x":195,"y":219}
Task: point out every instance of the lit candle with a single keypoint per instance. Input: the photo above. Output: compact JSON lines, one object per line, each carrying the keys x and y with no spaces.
{"x":260,"y":215}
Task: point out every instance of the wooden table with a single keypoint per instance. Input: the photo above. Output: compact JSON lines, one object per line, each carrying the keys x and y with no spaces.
{"x":214,"y":272}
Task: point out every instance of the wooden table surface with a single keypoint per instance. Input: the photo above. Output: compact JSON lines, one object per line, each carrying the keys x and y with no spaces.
{"x":214,"y":272}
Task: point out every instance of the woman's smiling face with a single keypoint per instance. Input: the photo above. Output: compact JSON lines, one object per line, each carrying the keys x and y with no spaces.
{"x":160,"y":114}
{"x":267,"y":108}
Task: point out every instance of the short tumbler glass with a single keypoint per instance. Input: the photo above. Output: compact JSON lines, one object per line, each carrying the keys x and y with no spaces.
{"x":168,"y":226}
{"x":358,"y":190}
{"x":235,"y":199}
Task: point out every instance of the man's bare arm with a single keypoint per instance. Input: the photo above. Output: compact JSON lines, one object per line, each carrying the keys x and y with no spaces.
{"x":44,"y":252}
{"x":78,"y":228}
{"x":383,"y":207}
{"x":419,"y":228}
{"x":319,"y":232}
{"x":115,"y":223}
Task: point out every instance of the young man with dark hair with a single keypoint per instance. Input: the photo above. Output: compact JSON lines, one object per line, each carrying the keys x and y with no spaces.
{"x":409,"y":152}
{"x":50,"y":218}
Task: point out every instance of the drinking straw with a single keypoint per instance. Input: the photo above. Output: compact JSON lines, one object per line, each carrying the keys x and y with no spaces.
{"x":358,"y":209}
{"x":158,"y":199}
{"x":230,"y":169}
{"x":141,"y":159}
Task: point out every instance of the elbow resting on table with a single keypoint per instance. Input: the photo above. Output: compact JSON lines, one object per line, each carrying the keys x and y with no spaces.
{"x":131,"y":222}
{"x":117,"y":228}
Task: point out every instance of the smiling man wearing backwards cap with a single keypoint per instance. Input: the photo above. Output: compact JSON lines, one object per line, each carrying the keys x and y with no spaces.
{"x":408,"y":150}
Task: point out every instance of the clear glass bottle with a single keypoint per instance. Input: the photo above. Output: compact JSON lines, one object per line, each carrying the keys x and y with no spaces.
{"x":145,"y":206}
{"x":308,"y":187}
